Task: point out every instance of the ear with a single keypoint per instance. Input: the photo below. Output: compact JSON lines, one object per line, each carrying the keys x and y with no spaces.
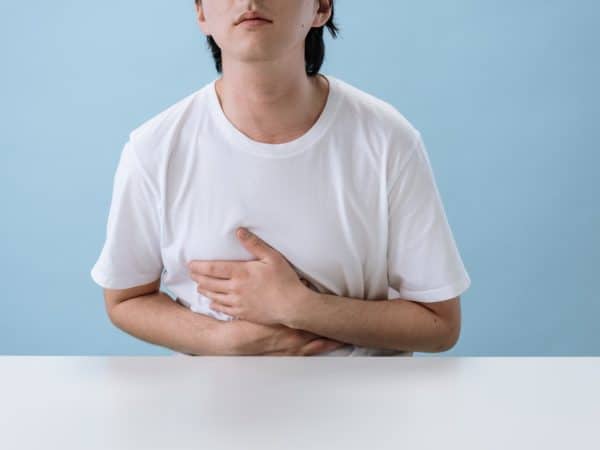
{"x":201,"y":18}
{"x":323,"y":13}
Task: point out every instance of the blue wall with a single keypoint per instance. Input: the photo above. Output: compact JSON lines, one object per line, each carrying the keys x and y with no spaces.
{"x":505,"y":94}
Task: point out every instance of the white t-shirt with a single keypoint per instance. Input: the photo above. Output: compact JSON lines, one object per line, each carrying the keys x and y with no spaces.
{"x":352,"y":204}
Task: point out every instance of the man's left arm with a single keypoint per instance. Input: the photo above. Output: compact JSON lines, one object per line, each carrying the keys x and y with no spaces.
{"x":253,"y":290}
{"x":398,"y":324}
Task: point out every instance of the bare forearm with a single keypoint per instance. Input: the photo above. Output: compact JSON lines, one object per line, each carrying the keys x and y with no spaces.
{"x":157,"y":319}
{"x":394,"y":324}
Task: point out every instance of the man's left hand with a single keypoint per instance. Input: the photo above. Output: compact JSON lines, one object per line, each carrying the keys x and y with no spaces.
{"x":264,"y":290}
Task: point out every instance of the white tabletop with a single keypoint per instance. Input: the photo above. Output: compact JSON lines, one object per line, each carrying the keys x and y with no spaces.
{"x":373,"y":403}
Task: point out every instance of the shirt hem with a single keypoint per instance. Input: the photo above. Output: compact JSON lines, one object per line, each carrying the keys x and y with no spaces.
{"x":107,"y":281}
{"x":447,"y":292}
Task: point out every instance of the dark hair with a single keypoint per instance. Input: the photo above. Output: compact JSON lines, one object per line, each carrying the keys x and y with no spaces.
{"x":314,"y":46}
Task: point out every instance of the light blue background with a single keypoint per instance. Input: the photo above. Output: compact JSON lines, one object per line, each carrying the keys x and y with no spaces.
{"x":505,"y":94}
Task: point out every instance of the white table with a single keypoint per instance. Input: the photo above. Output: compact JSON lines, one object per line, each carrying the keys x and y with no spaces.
{"x":373,"y":403}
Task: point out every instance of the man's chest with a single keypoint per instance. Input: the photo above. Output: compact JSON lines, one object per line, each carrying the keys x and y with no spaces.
{"x":324,"y":222}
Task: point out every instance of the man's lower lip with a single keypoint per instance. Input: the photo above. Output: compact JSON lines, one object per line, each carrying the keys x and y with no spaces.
{"x":254,"y":21}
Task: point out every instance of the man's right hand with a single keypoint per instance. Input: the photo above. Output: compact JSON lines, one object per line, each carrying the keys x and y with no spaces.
{"x":252,"y":338}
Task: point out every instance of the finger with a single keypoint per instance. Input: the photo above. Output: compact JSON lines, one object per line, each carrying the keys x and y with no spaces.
{"x":207,"y":283}
{"x":315,"y":346}
{"x":320,"y":346}
{"x":227,"y":309}
{"x":274,"y":352}
{"x":290,"y":350}
{"x":222,"y":299}
{"x":216,"y":269}
{"x":255,"y":244}
{"x":303,"y":334}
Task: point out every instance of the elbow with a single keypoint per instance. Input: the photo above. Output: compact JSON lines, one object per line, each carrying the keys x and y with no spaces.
{"x":445,"y":326}
{"x":448,"y":345}
{"x":449,"y":339}
{"x":444,"y":346}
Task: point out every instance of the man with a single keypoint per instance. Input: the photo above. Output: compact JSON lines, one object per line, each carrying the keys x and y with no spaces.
{"x":334,"y":185}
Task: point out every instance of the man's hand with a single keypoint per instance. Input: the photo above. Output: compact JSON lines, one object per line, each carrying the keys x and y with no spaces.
{"x":249,"y":338}
{"x":265,"y":290}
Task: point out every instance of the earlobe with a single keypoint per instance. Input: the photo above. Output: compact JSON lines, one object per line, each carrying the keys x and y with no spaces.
{"x":199,"y":12}
{"x":201,"y":21}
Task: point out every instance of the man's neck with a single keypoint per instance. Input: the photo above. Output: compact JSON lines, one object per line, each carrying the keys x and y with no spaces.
{"x":270,"y":109}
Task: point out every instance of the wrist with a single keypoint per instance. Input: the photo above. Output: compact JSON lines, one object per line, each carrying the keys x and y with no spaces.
{"x":222,"y":337}
{"x":303,"y":302}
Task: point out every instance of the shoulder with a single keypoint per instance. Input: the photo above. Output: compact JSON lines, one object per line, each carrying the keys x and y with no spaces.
{"x":377,"y":115}
{"x":380,"y":122}
{"x":152,"y":140}
{"x":162,"y":124}
{"x":378,"y":119}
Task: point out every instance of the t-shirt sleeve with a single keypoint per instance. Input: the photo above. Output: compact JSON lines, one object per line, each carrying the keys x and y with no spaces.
{"x":423,"y":260}
{"x":131,"y":253}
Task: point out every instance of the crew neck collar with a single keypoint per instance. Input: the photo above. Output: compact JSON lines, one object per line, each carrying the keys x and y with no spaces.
{"x":297,"y":145}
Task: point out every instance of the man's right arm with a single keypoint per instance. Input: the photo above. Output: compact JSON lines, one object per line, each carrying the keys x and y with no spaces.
{"x":152,"y":316}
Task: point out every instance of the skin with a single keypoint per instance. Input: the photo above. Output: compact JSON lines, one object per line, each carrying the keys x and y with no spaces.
{"x":267,"y":290}
{"x":264,"y":290}
{"x":264,"y":89}
{"x":265,"y":93}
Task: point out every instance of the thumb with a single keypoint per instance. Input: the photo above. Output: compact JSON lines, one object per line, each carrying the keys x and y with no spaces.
{"x":254,"y":244}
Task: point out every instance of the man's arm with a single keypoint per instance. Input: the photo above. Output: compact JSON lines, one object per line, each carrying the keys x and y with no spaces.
{"x":152,"y":316}
{"x":248,"y":289}
{"x":399,"y":324}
